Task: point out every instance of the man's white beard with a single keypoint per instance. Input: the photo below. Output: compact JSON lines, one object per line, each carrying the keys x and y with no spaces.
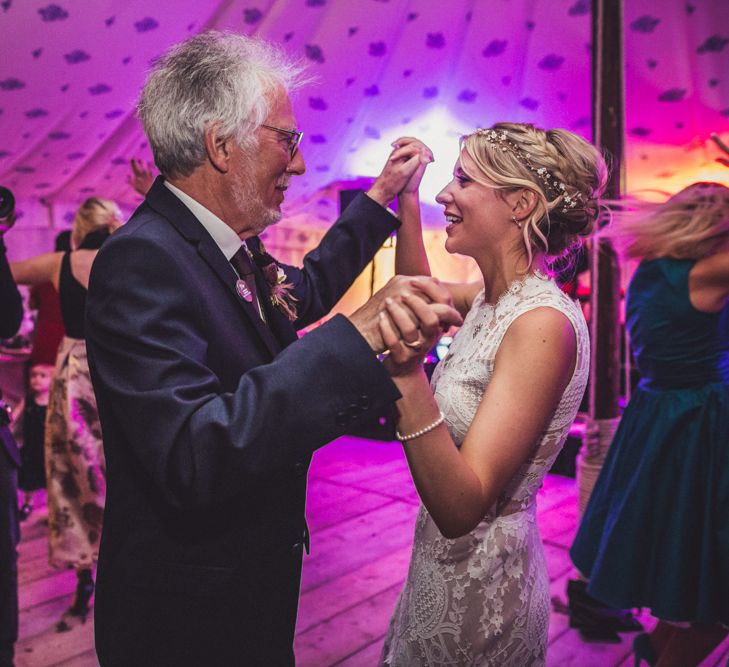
{"x":249,"y":204}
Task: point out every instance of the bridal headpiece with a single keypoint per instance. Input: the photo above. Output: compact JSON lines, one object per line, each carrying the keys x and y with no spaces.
{"x":553,"y":187}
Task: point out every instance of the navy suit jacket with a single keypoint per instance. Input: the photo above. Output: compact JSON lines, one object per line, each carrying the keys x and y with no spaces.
{"x":209,"y":419}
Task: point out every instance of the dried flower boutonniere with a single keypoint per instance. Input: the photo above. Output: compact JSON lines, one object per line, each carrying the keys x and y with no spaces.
{"x":281,"y":295}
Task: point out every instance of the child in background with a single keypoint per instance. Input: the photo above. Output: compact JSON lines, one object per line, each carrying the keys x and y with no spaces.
{"x":29,"y":430}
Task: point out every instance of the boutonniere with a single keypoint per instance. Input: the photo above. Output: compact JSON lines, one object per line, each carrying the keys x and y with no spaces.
{"x":281,"y":291}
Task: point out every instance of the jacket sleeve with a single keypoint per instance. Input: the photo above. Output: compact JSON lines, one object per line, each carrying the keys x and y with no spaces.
{"x":346,"y":249}
{"x":147,"y":341}
{"x":11,"y":305}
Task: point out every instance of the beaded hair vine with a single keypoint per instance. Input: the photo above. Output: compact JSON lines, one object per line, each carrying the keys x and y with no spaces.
{"x":552,"y":186}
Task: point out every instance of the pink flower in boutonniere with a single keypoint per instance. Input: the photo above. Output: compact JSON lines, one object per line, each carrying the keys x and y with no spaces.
{"x":281,"y":295}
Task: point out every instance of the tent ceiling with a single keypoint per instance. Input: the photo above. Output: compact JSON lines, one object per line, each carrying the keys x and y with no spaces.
{"x":72,"y":70}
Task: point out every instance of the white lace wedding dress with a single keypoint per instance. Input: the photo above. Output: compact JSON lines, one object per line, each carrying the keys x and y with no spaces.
{"x":483,"y":599}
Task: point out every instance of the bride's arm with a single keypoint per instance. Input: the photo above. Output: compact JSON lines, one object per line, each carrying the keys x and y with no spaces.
{"x":411,"y":258}
{"x":532,"y":368}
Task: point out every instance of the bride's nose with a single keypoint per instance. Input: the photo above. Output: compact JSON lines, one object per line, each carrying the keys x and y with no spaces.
{"x":443,"y":197}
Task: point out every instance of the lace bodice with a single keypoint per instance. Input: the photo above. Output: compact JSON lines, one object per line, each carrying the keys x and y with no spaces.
{"x":483,"y":599}
{"x":460,"y":380}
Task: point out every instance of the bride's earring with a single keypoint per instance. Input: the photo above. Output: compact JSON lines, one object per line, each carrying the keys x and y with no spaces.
{"x":515,"y":221}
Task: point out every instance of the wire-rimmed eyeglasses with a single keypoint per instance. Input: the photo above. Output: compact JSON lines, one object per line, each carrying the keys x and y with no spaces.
{"x":294,"y":136}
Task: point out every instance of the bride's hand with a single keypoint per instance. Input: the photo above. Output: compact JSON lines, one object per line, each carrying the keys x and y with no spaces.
{"x":425,"y":158}
{"x":410,"y":329}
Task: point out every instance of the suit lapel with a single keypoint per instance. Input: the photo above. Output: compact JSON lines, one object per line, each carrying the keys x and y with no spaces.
{"x":215,"y":259}
{"x":162,"y":200}
{"x":277,"y":321}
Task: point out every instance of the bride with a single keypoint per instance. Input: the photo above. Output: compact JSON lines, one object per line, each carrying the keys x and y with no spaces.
{"x":502,"y":401}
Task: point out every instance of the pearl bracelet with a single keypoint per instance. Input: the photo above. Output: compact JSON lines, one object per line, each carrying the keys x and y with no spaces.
{"x":422,"y":431}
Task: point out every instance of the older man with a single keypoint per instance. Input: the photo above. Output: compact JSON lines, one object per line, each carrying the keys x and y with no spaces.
{"x":210,"y":406}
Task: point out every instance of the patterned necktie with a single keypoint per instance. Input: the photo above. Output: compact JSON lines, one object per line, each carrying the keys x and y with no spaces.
{"x":246,"y":286}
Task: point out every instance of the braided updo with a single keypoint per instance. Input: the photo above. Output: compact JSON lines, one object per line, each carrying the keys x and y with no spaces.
{"x":567,"y":174}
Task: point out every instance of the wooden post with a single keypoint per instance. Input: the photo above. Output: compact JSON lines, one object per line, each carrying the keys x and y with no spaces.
{"x":608,"y":135}
{"x":608,"y":103}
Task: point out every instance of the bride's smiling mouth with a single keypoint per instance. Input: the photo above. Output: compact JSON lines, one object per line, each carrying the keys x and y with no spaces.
{"x":452,"y":221}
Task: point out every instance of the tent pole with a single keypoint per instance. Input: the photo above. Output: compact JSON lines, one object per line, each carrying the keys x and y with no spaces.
{"x":608,"y":109}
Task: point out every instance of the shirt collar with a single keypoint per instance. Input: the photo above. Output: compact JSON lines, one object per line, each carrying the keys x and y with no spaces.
{"x":225,"y":238}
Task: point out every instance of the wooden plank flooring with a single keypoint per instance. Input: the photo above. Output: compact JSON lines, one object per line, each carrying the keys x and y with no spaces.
{"x":361,"y":509}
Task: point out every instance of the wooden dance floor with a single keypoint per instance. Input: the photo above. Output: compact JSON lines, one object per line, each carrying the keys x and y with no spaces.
{"x":361,"y":510}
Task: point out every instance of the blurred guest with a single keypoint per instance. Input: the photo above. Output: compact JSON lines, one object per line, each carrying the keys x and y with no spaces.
{"x":11,"y":303}
{"x":655,"y":532}
{"x":29,"y":421}
{"x":142,"y":176}
{"x":11,"y":315}
{"x":75,"y":465}
{"x":48,"y":331}
{"x":44,"y":299}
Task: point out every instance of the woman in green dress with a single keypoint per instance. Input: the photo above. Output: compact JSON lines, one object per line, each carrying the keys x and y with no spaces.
{"x":656,"y":529}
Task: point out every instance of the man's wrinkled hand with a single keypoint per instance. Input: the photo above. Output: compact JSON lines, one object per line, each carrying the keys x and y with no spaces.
{"x":404,"y":168}
{"x":435,"y":308}
{"x":406,"y":353}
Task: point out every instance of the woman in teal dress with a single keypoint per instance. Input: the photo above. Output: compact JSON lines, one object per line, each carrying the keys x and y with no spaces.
{"x":656,"y":529}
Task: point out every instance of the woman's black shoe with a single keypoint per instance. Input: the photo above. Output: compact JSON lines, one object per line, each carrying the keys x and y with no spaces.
{"x":587,"y":613}
{"x":643,"y":650}
{"x":79,"y":610}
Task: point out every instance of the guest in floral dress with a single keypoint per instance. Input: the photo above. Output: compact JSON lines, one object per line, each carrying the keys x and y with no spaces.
{"x":75,"y":466}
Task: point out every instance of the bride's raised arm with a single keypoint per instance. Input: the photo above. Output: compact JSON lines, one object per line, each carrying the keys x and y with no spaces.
{"x":411,"y":258}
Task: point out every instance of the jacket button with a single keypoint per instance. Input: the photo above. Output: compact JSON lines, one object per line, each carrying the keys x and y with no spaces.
{"x":354,"y":411}
{"x":365,"y":402}
{"x":343,"y":418}
{"x":297,"y":548}
{"x":299,"y":469}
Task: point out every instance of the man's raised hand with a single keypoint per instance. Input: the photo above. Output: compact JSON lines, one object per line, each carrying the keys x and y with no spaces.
{"x":404,"y":168}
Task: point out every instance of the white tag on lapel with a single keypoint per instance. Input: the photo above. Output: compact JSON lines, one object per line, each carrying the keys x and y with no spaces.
{"x":243,"y":290}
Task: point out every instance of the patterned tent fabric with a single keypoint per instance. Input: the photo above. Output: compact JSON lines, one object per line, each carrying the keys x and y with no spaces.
{"x":72,"y":70}
{"x":677,"y":91}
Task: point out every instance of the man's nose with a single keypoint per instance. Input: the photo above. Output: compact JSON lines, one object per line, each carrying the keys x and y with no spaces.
{"x":296,"y":165}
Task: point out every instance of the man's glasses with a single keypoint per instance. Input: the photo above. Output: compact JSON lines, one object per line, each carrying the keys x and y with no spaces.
{"x":294,"y":136}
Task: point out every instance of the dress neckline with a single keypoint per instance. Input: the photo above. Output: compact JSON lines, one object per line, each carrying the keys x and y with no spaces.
{"x":513,"y":287}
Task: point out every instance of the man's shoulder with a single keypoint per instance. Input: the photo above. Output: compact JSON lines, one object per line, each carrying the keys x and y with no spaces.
{"x":144,"y":240}
{"x":146,"y":228}
{"x":144,"y":223}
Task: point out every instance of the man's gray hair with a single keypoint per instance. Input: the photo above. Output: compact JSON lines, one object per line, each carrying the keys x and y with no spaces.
{"x":213,"y":77}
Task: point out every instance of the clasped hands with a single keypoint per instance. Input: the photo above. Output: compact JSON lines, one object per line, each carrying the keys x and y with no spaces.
{"x":405,"y":318}
{"x":402,"y":171}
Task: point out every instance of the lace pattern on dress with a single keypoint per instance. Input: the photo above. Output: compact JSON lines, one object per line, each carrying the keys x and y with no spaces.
{"x":483,"y":599}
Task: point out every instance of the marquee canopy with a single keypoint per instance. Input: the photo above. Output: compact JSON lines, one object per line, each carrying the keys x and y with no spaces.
{"x":72,"y":70}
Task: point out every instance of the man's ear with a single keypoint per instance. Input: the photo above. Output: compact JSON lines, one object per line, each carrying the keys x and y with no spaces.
{"x":217,"y":147}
